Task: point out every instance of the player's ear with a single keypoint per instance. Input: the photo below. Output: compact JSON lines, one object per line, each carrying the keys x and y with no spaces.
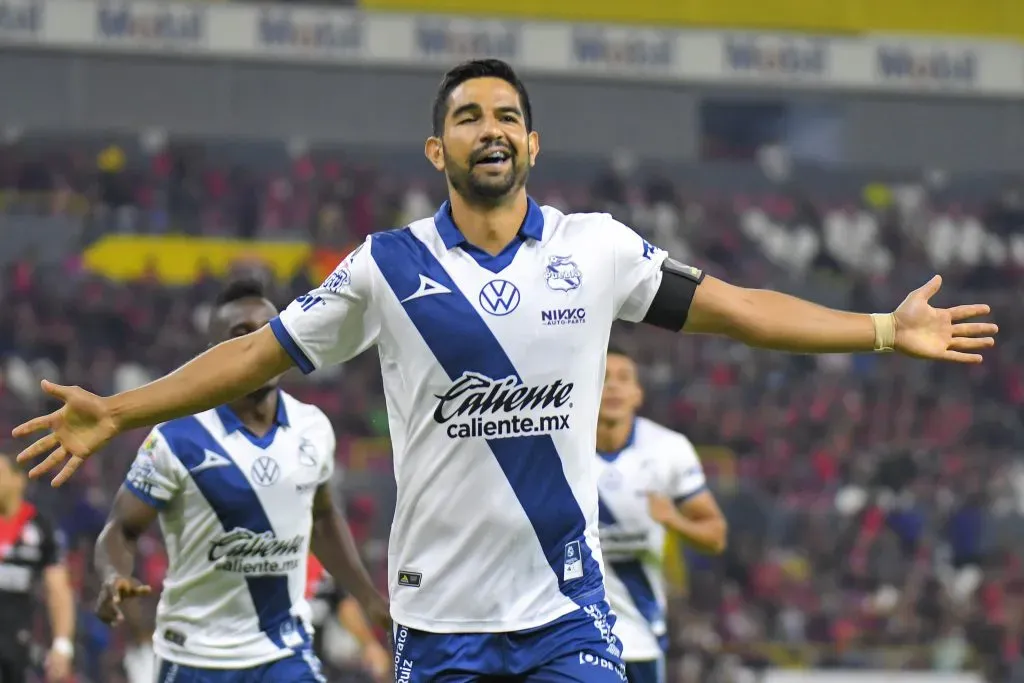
{"x":433,"y":149}
{"x":533,"y":146}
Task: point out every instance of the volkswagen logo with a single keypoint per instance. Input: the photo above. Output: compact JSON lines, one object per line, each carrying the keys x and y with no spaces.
{"x":265,"y":471}
{"x":499,"y":297}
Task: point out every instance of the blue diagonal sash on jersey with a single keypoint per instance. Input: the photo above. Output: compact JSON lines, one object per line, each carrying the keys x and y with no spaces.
{"x":633,"y":576}
{"x":229,"y":493}
{"x":461,"y":341}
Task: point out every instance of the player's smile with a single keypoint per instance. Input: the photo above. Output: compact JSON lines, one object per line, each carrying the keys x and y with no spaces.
{"x":494,"y":158}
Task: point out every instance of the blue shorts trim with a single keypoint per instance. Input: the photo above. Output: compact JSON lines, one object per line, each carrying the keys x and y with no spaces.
{"x":577,"y":647}
{"x":649,"y":671}
{"x":300,"y":667}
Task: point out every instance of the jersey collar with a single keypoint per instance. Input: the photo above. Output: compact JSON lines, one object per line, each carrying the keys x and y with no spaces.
{"x":232,"y":423}
{"x":612,"y":455}
{"x":532,"y":227}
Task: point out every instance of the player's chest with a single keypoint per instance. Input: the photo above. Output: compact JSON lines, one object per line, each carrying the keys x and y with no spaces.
{"x":542,"y":299}
{"x":624,"y":487}
{"x":284,"y":472}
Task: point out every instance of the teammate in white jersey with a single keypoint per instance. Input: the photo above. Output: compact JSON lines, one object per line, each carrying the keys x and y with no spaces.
{"x":491,"y":320}
{"x":242,"y":494}
{"x":650,"y":481}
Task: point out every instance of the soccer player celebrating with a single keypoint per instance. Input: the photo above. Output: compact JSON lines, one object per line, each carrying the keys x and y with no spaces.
{"x":650,"y":481}
{"x":491,"y":320}
{"x":242,"y":494}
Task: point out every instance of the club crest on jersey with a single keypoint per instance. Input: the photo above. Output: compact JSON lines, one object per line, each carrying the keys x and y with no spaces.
{"x":562,"y":274}
{"x":307,"y":453}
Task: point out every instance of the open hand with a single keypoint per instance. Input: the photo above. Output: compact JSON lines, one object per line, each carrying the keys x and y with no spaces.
{"x":940,"y":333}
{"x":76,"y":430}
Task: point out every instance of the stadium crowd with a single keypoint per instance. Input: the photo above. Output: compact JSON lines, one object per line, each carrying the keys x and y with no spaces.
{"x":874,"y":503}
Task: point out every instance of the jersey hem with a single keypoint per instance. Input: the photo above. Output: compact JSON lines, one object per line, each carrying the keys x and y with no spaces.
{"x":161,"y":651}
{"x":482,"y":626}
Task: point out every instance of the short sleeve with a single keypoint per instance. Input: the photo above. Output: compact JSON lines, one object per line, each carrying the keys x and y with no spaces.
{"x":685,"y":474}
{"x":334,"y":322}
{"x":637,"y":270}
{"x":153,"y":477}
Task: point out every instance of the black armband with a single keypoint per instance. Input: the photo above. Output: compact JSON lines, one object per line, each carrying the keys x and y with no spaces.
{"x":672,"y":301}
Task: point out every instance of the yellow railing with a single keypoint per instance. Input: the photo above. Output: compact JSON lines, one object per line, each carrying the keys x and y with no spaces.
{"x":1003,"y":19}
{"x":44,"y":202}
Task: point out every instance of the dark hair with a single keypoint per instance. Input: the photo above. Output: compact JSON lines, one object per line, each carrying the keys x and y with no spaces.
{"x":478,"y":68}
{"x":616,"y":350}
{"x":242,"y":288}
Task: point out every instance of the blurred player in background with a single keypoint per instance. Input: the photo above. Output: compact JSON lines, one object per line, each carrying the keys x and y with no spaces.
{"x":30,"y":549}
{"x":242,"y":494}
{"x":492,"y":321}
{"x":650,"y":482}
{"x":329,"y":600}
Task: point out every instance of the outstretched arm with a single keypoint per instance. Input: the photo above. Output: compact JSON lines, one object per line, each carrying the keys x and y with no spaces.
{"x":653,"y":288}
{"x":222,"y":374}
{"x":773,"y":320}
{"x":329,"y":325}
{"x":226,"y":372}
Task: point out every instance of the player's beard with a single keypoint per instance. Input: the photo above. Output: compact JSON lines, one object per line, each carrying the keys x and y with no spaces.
{"x":486,"y":191}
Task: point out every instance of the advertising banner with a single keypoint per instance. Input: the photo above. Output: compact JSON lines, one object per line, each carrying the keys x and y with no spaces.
{"x":149,"y":25}
{"x":452,"y":40}
{"x":891,"y":63}
{"x":21,"y":20}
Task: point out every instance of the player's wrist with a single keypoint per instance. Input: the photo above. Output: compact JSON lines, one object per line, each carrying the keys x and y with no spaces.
{"x":885,"y":332}
{"x":118,"y":416}
{"x":63,"y":646}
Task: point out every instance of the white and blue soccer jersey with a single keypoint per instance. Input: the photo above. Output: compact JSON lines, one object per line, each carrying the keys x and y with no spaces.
{"x":654,"y":460}
{"x":236,"y":514}
{"x":492,"y":368}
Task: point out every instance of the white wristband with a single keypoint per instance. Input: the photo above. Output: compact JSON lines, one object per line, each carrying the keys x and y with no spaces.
{"x":885,"y":331}
{"x":63,"y":646}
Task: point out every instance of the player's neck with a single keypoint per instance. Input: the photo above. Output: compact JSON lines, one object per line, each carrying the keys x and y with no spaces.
{"x":613,"y":436}
{"x":257,"y":414}
{"x":490,"y":228}
{"x":9,"y":508}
